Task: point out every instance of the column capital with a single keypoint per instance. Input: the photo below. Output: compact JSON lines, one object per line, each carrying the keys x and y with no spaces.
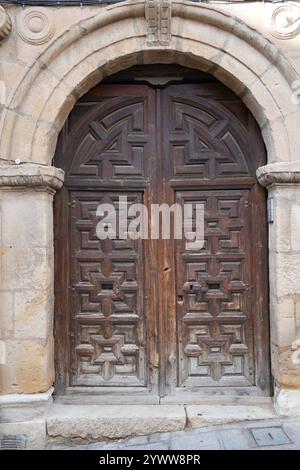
{"x":31,"y":175}
{"x":279,"y":173}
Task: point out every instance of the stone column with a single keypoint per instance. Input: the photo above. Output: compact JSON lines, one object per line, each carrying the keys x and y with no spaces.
{"x":282,"y":181}
{"x":26,"y":297}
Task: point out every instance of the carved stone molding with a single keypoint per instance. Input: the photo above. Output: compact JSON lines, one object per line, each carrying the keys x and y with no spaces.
{"x":5,"y":24}
{"x":158,"y":15}
{"x":279,"y":173}
{"x":36,"y":25}
{"x":31,"y":175}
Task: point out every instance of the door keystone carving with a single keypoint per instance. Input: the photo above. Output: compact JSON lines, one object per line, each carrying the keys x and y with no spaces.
{"x":158,"y":15}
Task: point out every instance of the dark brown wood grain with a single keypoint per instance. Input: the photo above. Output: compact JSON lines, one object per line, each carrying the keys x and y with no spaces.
{"x":150,"y":314}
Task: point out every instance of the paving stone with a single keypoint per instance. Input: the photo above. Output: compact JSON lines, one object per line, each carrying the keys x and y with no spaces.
{"x":284,"y":447}
{"x":237,"y":439}
{"x":137,"y":440}
{"x":95,"y":446}
{"x":180,"y":433}
{"x":204,"y":441}
{"x":112,"y":446}
{"x":293,"y":431}
{"x":271,"y":436}
{"x":153,"y":446}
{"x":158,"y":437}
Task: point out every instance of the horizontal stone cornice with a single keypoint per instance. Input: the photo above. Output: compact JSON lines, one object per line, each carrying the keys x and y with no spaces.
{"x":31,"y":175}
{"x":279,"y":173}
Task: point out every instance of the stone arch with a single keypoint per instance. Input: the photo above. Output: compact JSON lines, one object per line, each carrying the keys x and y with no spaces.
{"x":201,"y":37}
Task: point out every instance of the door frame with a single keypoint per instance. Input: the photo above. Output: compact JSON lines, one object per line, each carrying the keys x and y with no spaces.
{"x":166,"y":279}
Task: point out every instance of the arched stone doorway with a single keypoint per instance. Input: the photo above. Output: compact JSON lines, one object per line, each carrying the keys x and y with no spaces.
{"x":98,"y":43}
{"x":155,"y":317}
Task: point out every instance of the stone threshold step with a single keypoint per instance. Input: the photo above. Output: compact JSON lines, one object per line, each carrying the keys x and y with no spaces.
{"x":100,"y":422}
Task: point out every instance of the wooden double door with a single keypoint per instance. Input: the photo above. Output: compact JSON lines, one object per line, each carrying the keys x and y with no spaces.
{"x":155,"y":316}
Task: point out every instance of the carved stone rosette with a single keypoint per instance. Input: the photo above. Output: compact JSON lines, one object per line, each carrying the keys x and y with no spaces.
{"x":285,"y":22}
{"x":36,"y":25}
{"x":5,"y":24}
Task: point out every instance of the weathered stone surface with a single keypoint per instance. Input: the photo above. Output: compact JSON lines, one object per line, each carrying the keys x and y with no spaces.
{"x":113,"y":422}
{"x":279,"y":447}
{"x":6,"y":317}
{"x":153,"y":446}
{"x":231,"y":437}
{"x":287,"y":402}
{"x":29,"y":366}
{"x":32,"y":175}
{"x":281,"y":172}
{"x":200,"y":416}
{"x":33,"y":316}
{"x":27,"y":268}
{"x":286,"y":273}
{"x":283,"y":324}
{"x":276,"y":85}
{"x":297,"y":312}
{"x":26,"y":218}
{"x":201,"y":441}
{"x":284,"y":232}
{"x":158,"y":437}
{"x":23,"y":407}
{"x":295,"y":223}
{"x":285,"y":369}
{"x":274,"y":132}
{"x":293,"y":431}
{"x":7,"y":373}
{"x":237,"y":439}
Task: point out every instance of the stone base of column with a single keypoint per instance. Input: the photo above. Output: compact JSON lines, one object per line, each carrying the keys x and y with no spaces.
{"x":23,"y":420}
{"x":287,"y":402}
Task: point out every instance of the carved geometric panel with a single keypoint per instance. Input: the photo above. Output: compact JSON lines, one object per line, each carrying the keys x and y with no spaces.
{"x":204,"y":140}
{"x":214,"y":316}
{"x":107,"y":287}
{"x":111,"y":141}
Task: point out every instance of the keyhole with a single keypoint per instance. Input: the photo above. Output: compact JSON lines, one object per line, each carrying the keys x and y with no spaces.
{"x":191,"y":287}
